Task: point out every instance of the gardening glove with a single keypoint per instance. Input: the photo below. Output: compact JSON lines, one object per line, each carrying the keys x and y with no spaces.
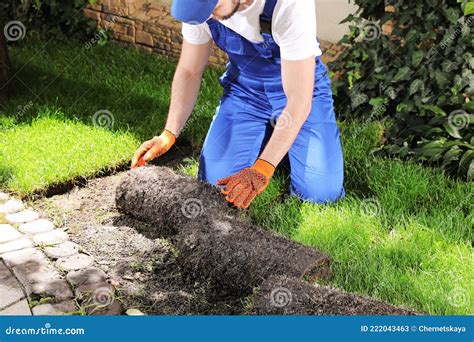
{"x":153,"y":148}
{"x":242,"y":188}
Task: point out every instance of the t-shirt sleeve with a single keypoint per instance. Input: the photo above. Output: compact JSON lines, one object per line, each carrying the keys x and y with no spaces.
{"x":196,"y":34}
{"x":294,"y":29}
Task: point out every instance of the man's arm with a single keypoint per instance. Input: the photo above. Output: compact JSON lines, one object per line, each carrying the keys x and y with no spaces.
{"x":184,"y":92}
{"x":298,"y":83}
{"x":186,"y":84}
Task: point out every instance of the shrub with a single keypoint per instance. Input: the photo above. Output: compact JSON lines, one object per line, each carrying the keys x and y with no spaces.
{"x":49,"y":18}
{"x":419,"y":79}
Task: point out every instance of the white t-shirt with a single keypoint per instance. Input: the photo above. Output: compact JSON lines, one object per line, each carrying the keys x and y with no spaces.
{"x":293,"y":27}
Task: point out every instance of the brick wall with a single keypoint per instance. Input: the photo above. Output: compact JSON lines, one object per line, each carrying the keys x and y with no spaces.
{"x":149,"y":26}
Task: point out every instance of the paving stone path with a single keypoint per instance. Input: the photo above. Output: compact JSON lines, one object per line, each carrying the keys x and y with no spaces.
{"x":42,"y":272}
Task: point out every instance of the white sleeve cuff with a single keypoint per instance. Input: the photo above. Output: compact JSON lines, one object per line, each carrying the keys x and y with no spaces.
{"x":196,"y":34}
{"x":300,"y":54}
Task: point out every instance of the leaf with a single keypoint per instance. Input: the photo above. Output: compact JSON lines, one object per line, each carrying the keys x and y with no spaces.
{"x":469,"y":106}
{"x":470,"y":172}
{"x":441,"y":78}
{"x":453,"y":131}
{"x":465,"y":165}
{"x":416,"y":86}
{"x":451,"y":155}
{"x":432,"y":149}
{"x":435,"y":109}
{"x":469,"y":9}
{"x":358,"y":99}
{"x":417,"y":57}
{"x":377,"y":102}
{"x":402,"y":74}
{"x":391,"y":93}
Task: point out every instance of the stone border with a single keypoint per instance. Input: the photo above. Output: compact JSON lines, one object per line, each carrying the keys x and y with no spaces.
{"x":42,"y":272}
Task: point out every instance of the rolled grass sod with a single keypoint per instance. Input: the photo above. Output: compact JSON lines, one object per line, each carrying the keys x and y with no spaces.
{"x":289,"y":296}
{"x":214,"y":245}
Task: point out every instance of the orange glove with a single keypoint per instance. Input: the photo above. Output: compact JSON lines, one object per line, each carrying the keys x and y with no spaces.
{"x":242,"y":188}
{"x":153,"y":148}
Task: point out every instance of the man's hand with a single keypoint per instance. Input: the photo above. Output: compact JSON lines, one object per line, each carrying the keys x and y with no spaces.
{"x":153,"y":148}
{"x":242,"y":188}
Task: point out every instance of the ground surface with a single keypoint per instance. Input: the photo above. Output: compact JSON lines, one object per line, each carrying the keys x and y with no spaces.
{"x":128,"y":251}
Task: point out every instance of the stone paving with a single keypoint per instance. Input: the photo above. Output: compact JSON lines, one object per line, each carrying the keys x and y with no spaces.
{"x":42,"y":272}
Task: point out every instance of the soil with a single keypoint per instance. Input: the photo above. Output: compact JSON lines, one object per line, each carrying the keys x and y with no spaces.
{"x":290,"y":296}
{"x":160,"y":196}
{"x":142,"y":265}
{"x":215,"y":246}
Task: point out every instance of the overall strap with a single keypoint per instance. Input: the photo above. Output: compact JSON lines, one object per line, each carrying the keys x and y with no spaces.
{"x":267,"y":15}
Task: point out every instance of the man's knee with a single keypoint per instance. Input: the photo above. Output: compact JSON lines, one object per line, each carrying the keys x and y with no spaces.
{"x":319,"y":188}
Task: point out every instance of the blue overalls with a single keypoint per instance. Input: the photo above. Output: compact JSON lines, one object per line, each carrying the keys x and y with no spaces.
{"x":253,"y":100}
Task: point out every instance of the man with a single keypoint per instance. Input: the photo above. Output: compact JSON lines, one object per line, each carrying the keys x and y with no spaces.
{"x":277,"y":104}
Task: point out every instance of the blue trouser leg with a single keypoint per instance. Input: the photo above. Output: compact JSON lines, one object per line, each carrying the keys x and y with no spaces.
{"x":317,"y":174}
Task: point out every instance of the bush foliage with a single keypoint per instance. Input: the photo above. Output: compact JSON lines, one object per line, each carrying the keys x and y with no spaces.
{"x":50,"y":17}
{"x":420,"y":79}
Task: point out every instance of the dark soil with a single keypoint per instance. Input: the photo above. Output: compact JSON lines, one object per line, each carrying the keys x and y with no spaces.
{"x":290,"y":296}
{"x":129,"y":251}
{"x":215,"y":247}
{"x":160,"y":196}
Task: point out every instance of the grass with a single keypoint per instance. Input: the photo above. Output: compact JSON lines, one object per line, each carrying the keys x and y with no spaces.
{"x":113,"y":97}
{"x":52,"y":150}
{"x":403,"y":234}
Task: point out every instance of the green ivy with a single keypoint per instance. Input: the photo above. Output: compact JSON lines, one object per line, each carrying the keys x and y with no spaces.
{"x":50,"y":18}
{"x":419,"y":80}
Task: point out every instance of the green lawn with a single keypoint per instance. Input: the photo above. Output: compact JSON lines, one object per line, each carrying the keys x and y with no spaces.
{"x":69,"y":84}
{"x":403,"y":234}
